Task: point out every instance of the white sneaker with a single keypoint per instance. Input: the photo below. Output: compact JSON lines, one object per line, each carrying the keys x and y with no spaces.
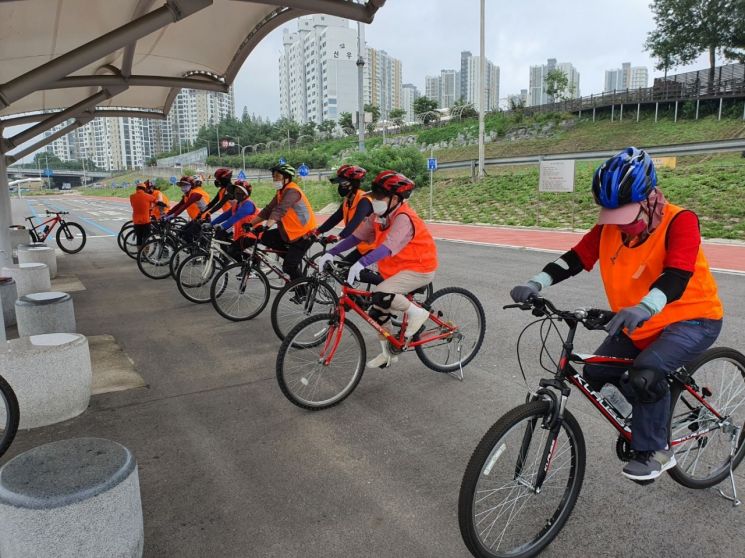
{"x":416,"y":318}
{"x":384,"y":359}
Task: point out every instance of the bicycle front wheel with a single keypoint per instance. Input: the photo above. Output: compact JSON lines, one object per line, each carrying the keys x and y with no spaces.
{"x":499,"y":512}
{"x":239,"y":292}
{"x":195,"y":275}
{"x":299,"y":299}
{"x":126,"y":227}
{"x":703,"y":447}
{"x":9,"y":416}
{"x":71,"y":238}
{"x":182,"y":252}
{"x":155,"y":256}
{"x":319,"y":364}
{"x":457,"y":308}
{"x":130,"y":243}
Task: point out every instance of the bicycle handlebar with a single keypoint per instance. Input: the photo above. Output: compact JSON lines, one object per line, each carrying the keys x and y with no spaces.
{"x":591,"y":318}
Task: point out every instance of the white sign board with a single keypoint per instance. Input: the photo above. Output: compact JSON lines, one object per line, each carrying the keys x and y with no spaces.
{"x":556,"y":176}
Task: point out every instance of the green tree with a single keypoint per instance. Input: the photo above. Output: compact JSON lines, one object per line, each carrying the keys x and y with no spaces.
{"x":398,"y":115}
{"x":688,"y":28}
{"x":423,"y":109}
{"x":245,"y":116}
{"x":370,"y":127}
{"x":308,"y":129}
{"x":463,"y":109}
{"x":374,"y":110}
{"x":558,"y":86}
{"x":328,"y":126}
{"x":345,"y":120}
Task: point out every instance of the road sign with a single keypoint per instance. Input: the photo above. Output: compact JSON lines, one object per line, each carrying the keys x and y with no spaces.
{"x":173,"y":180}
{"x":48,"y":172}
{"x":556,"y":176}
{"x":303,"y":170}
{"x":241,"y":175}
{"x":282,"y":161}
{"x":432,"y":163}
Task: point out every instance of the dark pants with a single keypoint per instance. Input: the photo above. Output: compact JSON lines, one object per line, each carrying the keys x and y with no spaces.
{"x":141,"y":233}
{"x":678,"y":344}
{"x":191,"y":231}
{"x":294,"y":251}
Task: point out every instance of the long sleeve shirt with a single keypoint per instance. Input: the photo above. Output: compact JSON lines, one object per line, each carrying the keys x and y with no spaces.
{"x":275,"y":210}
{"x":364,"y":208}
{"x":181,"y":206}
{"x":400,"y":234}
{"x":229,"y":218}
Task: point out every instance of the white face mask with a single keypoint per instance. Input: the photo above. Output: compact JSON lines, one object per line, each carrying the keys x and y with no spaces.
{"x":379,"y":206}
{"x":279,"y":184}
{"x":185,"y":189}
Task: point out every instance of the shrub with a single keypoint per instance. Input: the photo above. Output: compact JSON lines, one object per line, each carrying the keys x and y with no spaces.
{"x":406,"y":160}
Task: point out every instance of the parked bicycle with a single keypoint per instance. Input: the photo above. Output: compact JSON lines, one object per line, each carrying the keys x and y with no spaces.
{"x":524,"y":477}
{"x":154,"y":258}
{"x":321,"y":360}
{"x":70,"y":236}
{"x":9,"y":415}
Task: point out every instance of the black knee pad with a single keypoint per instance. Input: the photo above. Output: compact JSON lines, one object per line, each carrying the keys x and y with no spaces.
{"x":649,"y":385}
{"x":379,"y":316}
{"x":383,"y":300}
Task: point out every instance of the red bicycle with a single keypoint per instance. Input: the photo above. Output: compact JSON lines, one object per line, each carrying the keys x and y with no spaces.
{"x":524,"y":477}
{"x":321,"y":360}
{"x":70,"y":236}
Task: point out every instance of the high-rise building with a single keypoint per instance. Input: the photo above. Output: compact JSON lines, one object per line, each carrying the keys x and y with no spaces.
{"x":191,"y":110}
{"x":449,"y":87}
{"x":432,"y":88}
{"x":384,"y":74}
{"x":465,"y":56}
{"x":491,"y":84}
{"x":409,"y":94}
{"x":318,"y":70}
{"x":537,"y":89}
{"x":626,"y":77}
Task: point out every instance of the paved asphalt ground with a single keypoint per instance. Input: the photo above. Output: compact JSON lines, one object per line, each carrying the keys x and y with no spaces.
{"x":229,"y":468}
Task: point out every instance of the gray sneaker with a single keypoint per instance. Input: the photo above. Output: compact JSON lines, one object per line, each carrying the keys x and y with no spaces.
{"x":648,"y":465}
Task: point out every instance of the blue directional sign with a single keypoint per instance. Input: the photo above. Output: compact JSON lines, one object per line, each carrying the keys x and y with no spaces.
{"x":282,"y":160}
{"x":432,"y":163}
{"x":173,"y":180}
{"x":48,"y":172}
{"x":303,"y":170}
{"x":241,"y":175}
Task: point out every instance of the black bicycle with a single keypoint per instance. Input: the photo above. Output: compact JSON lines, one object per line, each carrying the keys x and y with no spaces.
{"x":524,"y":477}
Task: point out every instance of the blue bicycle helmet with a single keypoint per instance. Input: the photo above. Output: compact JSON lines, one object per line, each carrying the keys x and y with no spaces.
{"x":627,"y":178}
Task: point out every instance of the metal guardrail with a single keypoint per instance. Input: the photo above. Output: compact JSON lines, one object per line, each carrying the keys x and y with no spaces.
{"x":719,"y":146}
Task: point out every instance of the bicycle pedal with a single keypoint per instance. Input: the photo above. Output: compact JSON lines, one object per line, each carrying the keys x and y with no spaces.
{"x":643,"y":482}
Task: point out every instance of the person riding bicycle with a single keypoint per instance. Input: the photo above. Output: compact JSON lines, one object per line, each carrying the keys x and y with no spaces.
{"x":194,"y":202}
{"x":243,"y":212}
{"x":294,"y":216}
{"x":404,"y":250}
{"x":224,"y":196}
{"x":657,"y":279}
{"x":160,"y":207}
{"x":356,"y":205}
{"x":142,"y":203}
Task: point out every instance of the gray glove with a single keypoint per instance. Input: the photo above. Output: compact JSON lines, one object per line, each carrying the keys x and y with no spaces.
{"x":629,"y":318}
{"x":522,"y":293}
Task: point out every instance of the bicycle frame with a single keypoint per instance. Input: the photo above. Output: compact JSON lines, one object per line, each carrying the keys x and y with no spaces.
{"x":43,"y":235}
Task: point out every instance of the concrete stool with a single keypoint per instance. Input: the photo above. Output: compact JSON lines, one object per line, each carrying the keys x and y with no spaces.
{"x":18,"y":235}
{"x":29,"y":277}
{"x":77,"y":498}
{"x":51,"y":312}
{"x":38,"y":253}
{"x":51,"y":376}
{"x":8,"y":296}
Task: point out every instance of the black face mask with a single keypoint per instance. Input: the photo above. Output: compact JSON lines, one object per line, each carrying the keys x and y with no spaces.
{"x":344,"y":189}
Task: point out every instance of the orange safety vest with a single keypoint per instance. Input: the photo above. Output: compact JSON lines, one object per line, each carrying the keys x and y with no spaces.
{"x":419,"y":255}
{"x":141,"y":203}
{"x":348,"y":212}
{"x":628,"y":274}
{"x":195,"y":209}
{"x":299,"y":219}
{"x":156,"y":211}
{"x":221,"y":193}
{"x":238,"y":231}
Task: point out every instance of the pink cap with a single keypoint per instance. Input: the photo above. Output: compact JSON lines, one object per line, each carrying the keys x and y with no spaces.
{"x":620,"y":216}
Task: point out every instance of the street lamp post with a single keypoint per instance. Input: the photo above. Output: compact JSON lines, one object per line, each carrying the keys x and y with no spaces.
{"x":243,"y":154}
{"x":482,"y":53}
{"x":360,"y":85}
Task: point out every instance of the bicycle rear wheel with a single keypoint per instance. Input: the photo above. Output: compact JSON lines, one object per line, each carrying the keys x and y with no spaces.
{"x":456,"y":307}
{"x":703,"y":460}
{"x":195,"y":275}
{"x":130,"y":244}
{"x":299,"y":299}
{"x":9,"y":416}
{"x":499,"y":512}
{"x":182,"y":252}
{"x":126,"y":227}
{"x":277,"y":279}
{"x":303,"y":374}
{"x":71,"y":238}
{"x":155,"y":256}
{"x":239,"y":292}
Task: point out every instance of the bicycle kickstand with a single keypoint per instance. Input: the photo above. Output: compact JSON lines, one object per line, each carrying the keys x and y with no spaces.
{"x":734,"y":499}
{"x":459,"y":374}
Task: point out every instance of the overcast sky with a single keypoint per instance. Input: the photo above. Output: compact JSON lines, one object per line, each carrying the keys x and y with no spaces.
{"x":428,"y":35}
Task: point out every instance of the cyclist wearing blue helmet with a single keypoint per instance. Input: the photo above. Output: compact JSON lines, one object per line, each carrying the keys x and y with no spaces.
{"x":658,"y":282}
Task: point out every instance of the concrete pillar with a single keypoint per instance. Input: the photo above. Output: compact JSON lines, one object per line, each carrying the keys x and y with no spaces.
{"x":675,"y":118}
{"x":638,"y":110}
{"x":39,"y":313}
{"x":620,"y":117}
{"x":29,"y":278}
{"x":8,"y":297}
{"x":5,"y":214}
{"x":721,"y":101}
{"x":39,"y":253}
{"x":593,"y":114}
{"x":656,"y":110}
{"x":18,"y":235}
{"x":697,"y":103}
{"x":612,"y":112}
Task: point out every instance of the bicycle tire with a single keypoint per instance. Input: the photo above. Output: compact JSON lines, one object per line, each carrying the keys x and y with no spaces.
{"x":314,"y":284}
{"x":63,"y":232}
{"x":130,"y":244}
{"x":218,"y":299}
{"x":183,"y":251}
{"x":8,"y":434}
{"x":422,"y":350}
{"x":691,"y":419}
{"x":486,"y":457}
{"x":162,"y":265}
{"x":128,"y":226}
{"x":289,"y":344}
{"x":202,"y":295}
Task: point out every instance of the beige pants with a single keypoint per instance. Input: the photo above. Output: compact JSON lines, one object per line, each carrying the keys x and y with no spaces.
{"x":401,"y":284}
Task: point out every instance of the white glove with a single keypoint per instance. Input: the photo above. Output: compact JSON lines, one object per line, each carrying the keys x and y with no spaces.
{"x":354,"y":273}
{"x":323,"y":260}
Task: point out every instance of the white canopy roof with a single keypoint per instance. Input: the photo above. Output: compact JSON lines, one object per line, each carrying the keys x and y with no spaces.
{"x":135,"y":53}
